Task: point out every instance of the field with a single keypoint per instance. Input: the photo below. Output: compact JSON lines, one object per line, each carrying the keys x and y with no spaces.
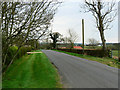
{"x":32,"y":71}
{"x":93,"y":47}
{"x":115,"y":53}
{"x":108,"y":61}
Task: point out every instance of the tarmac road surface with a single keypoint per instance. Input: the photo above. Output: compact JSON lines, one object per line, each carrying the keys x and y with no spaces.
{"x":81,"y":73}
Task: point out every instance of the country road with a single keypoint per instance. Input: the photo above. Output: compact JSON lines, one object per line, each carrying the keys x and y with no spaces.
{"x":76,"y":72}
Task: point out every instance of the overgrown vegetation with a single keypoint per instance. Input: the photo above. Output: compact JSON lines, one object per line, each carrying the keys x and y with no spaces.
{"x":115,"y":53}
{"x":32,"y":71}
{"x":113,"y":46}
{"x":12,"y":51}
{"x":23,"y":22}
{"x":105,"y":60}
{"x":91,"y":52}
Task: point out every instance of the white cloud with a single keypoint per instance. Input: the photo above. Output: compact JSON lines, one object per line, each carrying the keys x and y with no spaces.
{"x":68,"y":16}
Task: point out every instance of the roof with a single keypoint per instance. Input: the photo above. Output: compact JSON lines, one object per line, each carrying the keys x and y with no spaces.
{"x":77,"y":47}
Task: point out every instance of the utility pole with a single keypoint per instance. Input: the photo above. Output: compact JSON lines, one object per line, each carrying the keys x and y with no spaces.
{"x":119,"y":32}
{"x":83,"y":34}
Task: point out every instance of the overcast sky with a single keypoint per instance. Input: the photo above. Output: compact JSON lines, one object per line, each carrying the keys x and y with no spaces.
{"x":69,"y":16}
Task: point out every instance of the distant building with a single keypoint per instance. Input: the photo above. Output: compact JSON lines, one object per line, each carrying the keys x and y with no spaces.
{"x":77,"y":47}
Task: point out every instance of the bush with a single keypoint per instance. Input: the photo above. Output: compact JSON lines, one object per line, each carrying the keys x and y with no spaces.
{"x":12,"y":51}
{"x":23,"y":51}
{"x":96,"y":53}
{"x":113,"y":47}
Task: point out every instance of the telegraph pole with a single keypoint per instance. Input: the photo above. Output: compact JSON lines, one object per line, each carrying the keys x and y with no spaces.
{"x":83,"y":34}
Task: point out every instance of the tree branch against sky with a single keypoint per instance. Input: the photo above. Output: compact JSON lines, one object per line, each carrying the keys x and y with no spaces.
{"x":93,"y":42}
{"x":21,"y":21}
{"x":103,"y":12}
{"x":68,"y":15}
{"x":72,"y":37}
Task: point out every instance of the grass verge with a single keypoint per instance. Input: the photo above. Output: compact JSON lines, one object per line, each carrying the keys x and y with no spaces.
{"x":115,"y":53}
{"x":108,"y":61}
{"x":32,"y":71}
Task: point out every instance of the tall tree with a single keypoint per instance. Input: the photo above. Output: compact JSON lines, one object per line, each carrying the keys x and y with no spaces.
{"x":22,"y":21}
{"x":103,"y":12}
{"x":93,"y":42}
{"x":54,"y":36}
{"x":72,"y":37}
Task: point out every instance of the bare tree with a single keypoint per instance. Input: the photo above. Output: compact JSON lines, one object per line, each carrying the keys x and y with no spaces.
{"x":65,"y":40}
{"x":22,"y":21}
{"x":72,"y":37}
{"x":103,"y":12}
{"x":93,"y":42}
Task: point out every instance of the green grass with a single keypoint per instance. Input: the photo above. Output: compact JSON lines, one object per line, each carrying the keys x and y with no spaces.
{"x":91,"y":47}
{"x":108,"y":61}
{"x":32,"y":71}
{"x":115,"y":53}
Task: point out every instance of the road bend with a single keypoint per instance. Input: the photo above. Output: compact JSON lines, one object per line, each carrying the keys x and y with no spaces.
{"x":81,"y":73}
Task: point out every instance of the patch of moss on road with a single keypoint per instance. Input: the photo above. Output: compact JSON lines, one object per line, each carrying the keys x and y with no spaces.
{"x":32,"y":71}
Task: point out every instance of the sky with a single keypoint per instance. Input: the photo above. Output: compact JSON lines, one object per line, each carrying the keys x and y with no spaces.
{"x":68,"y":16}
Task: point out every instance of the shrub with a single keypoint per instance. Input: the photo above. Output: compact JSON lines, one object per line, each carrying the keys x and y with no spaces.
{"x":12,"y":51}
{"x":93,"y":52}
{"x":23,"y":51}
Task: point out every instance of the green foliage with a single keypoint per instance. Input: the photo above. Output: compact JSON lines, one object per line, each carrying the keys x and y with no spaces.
{"x":46,"y":46}
{"x":13,"y":50}
{"x":91,"y":52}
{"x":108,"y":61}
{"x":31,"y":71}
{"x":23,"y":51}
{"x":113,"y":47}
{"x":115,"y":52}
{"x":33,"y":43}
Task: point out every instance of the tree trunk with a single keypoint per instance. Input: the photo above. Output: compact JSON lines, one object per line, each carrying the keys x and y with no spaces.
{"x":72,"y":45}
{"x":103,"y":40}
{"x":54,"y":44}
{"x":100,"y":24}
